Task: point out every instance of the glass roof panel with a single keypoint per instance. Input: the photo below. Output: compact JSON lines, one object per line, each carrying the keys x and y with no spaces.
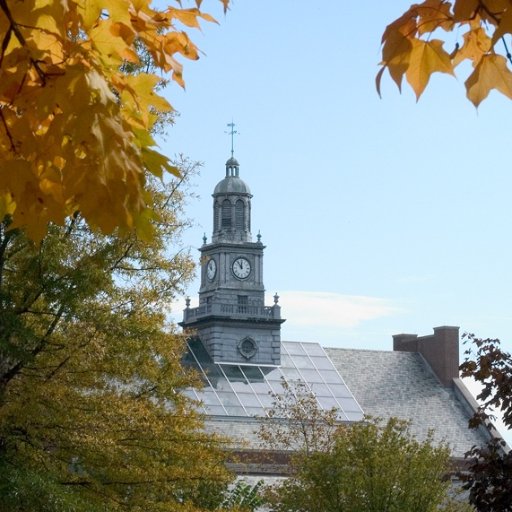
{"x":277,"y":387}
{"x":236,"y":411}
{"x":327,"y":402}
{"x":252,"y":373}
{"x":340,"y":390}
{"x":313,"y":349}
{"x":294,"y":349}
{"x":291,"y":374}
{"x":353,"y":416}
{"x":215,"y":410}
{"x":321,"y":363}
{"x":302,"y":362}
{"x":331,"y":376}
{"x":274,"y":375}
{"x":266,"y":400}
{"x":249,"y":400}
{"x":286,"y":360}
{"x":310,"y":375}
{"x":208,"y":397}
{"x":321,"y":389}
{"x":228,"y":399}
{"x":348,"y":404}
{"x":244,"y":390}
{"x":260,"y":388}
{"x":233,"y":373}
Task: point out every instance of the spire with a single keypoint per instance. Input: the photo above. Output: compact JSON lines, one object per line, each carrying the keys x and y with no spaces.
{"x":232,"y":132}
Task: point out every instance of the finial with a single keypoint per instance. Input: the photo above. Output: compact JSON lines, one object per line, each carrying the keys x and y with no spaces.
{"x":276,"y":299}
{"x":259,"y":236}
{"x":204,"y":238}
{"x":187,"y":302}
{"x":232,"y":132}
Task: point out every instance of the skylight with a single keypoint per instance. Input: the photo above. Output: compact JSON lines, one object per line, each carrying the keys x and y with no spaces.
{"x":244,"y":390}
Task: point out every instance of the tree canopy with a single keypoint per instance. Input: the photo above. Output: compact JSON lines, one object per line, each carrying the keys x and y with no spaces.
{"x":489,"y":480}
{"x":437,"y":36}
{"x":362,"y":466}
{"x":75,"y":121}
{"x":92,"y":414}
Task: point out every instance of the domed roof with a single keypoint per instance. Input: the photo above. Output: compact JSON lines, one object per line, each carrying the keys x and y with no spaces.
{"x":232,"y":162}
{"x":232,"y":185}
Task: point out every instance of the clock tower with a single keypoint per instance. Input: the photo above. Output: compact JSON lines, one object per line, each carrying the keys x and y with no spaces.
{"x":232,"y":321}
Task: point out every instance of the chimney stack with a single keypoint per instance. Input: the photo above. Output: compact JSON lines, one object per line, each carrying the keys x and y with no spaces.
{"x":440,"y":350}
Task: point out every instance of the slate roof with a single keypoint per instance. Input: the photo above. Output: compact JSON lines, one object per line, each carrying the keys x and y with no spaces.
{"x":401,"y":384}
{"x":385,"y":384}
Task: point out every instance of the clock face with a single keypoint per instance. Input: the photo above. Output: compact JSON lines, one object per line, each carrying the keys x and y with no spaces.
{"x":211,"y":269}
{"x":241,"y":268}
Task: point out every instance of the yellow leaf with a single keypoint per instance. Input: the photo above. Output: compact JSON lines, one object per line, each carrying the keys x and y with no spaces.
{"x":155,"y":163}
{"x":189,"y":16}
{"x":495,"y":6}
{"x":112,"y":50}
{"x":77,"y":118}
{"x":476,"y":44}
{"x":90,"y":11}
{"x":434,"y":14}
{"x":396,"y":54}
{"x":490,"y":73}
{"x":504,"y":26}
{"x":7,"y":205}
{"x":464,"y":9}
{"x":427,"y":57}
{"x":143,"y":89}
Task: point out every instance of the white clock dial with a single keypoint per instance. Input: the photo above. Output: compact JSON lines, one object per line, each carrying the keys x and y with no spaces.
{"x":241,"y":268}
{"x":211,"y":269}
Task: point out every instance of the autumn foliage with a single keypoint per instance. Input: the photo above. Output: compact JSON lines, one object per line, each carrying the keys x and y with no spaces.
{"x":75,"y":126}
{"x":436,"y":36}
{"x":92,"y":417}
{"x":489,"y":480}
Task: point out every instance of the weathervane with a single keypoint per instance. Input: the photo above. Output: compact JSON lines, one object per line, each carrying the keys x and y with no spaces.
{"x":232,"y":132}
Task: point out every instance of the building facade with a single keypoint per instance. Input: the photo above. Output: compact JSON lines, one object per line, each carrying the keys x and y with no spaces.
{"x":235,"y":343}
{"x":232,"y":320}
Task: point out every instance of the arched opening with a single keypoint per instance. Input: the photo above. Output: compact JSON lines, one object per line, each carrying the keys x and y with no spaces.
{"x":216,"y":216}
{"x":226,"y":214}
{"x":239,"y":215}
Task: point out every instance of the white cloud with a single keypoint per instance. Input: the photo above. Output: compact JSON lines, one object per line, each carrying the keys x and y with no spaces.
{"x":332,"y":310}
{"x":332,"y":319}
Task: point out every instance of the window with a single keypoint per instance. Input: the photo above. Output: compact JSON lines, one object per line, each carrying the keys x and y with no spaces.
{"x":216,"y":216}
{"x":247,"y":347}
{"x":226,"y":214}
{"x":239,"y":215}
{"x":243,"y":302}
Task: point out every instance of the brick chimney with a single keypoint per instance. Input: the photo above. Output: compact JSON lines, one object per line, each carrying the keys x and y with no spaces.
{"x":440,"y":350}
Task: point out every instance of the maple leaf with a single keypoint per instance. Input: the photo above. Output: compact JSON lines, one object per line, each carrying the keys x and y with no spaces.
{"x":504,"y":26}
{"x":476,"y":44}
{"x":68,"y":103}
{"x":91,"y":370}
{"x":408,"y":48}
{"x":465,"y":9}
{"x":490,"y":73}
{"x":427,"y":57}
{"x":434,"y":14}
{"x":397,"y":48}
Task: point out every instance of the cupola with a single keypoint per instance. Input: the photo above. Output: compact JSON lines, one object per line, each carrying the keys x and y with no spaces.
{"x":232,"y":207}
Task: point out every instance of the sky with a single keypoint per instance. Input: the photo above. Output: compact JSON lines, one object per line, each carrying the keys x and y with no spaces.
{"x":379,"y":215}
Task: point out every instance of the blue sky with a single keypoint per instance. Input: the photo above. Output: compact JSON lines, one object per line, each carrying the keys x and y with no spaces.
{"x":380,"y":216}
